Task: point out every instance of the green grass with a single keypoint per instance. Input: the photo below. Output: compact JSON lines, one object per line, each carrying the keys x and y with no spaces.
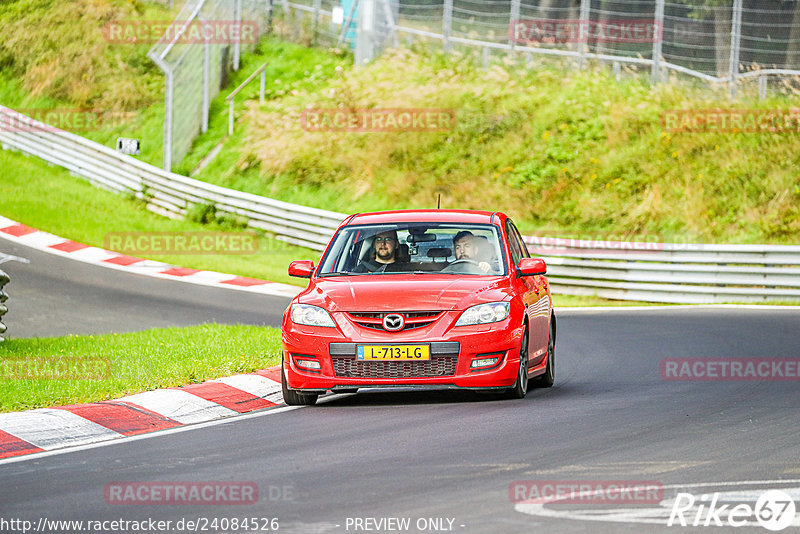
{"x":48,"y":198}
{"x":562,"y":151}
{"x":115,"y":365}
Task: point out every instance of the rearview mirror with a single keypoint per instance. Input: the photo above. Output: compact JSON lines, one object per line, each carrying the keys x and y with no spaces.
{"x":301,"y":268}
{"x":532,"y":266}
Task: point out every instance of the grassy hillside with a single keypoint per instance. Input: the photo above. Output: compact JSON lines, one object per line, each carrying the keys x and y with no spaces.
{"x":563,"y":151}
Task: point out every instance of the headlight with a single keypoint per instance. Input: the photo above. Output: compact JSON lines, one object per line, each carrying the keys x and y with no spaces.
{"x":484,"y":313}
{"x":311,"y":315}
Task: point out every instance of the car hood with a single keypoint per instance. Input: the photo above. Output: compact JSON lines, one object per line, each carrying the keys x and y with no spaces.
{"x":387,"y":293}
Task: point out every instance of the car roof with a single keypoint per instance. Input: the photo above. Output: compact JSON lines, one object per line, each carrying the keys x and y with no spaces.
{"x":428,"y":215}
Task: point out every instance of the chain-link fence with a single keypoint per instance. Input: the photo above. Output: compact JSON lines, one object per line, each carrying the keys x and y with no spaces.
{"x":722,"y":41}
{"x":196,"y":53}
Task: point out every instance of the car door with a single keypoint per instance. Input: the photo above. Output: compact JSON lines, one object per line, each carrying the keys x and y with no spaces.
{"x":535,"y":296}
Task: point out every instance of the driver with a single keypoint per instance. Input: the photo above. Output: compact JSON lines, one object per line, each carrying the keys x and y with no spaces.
{"x":466,"y":247}
{"x":383,"y":255}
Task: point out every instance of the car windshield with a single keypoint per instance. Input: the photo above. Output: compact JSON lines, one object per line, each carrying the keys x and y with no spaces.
{"x":423,"y":248}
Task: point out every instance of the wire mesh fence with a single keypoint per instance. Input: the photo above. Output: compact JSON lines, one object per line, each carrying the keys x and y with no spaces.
{"x":200,"y":48}
{"x":720,"y":41}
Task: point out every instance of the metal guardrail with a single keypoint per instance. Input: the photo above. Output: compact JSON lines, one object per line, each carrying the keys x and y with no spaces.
{"x":165,"y":192}
{"x":671,"y":272}
{"x":655,"y":272}
{"x":4,"y":279}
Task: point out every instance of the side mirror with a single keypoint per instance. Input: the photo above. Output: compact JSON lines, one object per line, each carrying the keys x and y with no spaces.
{"x":301,"y":268}
{"x":531,"y":266}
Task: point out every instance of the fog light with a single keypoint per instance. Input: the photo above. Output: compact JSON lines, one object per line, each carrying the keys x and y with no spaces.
{"x":484,"y":362}
{"x":307,"y":364}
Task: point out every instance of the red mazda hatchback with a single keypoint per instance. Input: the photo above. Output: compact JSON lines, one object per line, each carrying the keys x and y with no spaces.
{"x":422,"y":299}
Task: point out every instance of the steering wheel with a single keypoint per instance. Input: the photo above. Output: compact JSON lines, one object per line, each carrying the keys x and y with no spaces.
{"x":464,"y":266}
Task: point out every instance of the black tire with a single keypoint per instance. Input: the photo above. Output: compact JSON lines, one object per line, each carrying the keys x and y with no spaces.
{"x":293,"y":398}
{"x":549,"y":377}
{"x":520,"y":387}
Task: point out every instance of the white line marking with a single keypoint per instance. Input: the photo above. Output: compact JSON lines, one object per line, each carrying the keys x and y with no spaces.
{"x":652,"y":515}
{"x":8,"y":257}
{"x":168,"y":431}
{"x":52,"y":429}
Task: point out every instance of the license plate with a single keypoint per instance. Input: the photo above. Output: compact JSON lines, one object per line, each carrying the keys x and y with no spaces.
{"x":393,"y":352}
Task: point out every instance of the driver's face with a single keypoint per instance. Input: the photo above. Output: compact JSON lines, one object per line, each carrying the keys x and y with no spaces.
{"x":385,"y":245}
{"x":465,"y":248}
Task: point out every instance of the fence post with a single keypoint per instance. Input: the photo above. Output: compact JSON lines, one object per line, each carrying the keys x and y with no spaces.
{"x":270,"y":15}
{"x":169,"y":109}
{"x":4,"y":279}
{"x":762,"y":87}
{"x":263,"y":86}
{"x":736,"y":36}
{"x":512,"y":24}
{"x":657,"y":40}
{"x":206,"y":83}
{"x":365,"y":33}
{"x":447,"y":24}
{"x":237,"y":43}
{"x":315,"y":20}
{"x":584,"y":45}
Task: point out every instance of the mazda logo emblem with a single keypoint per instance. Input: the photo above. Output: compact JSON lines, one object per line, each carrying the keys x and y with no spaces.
{"x":393,"y":322}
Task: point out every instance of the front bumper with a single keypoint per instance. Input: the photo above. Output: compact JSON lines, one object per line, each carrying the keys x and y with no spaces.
{"x":452,"y":352}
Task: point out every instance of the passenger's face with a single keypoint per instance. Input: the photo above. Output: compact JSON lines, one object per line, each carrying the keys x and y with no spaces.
{"x":465,"y":248}
{"x":385,"y":245}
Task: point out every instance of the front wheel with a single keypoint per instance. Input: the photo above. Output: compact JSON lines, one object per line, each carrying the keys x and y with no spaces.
{"x":520,"y":387}
{"x":293,"y":398}
{"x":549,"y":377}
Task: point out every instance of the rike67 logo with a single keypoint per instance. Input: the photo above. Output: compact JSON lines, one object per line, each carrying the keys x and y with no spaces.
{"x":774,"y":510}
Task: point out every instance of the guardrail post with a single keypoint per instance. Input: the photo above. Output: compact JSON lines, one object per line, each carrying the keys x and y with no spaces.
{"x":263,"y":86}
{"x":736,"y":37}
{"x":658,"y":20}
{"x":447,"y":24}
{"x":584,"y":45}
{"x":4,"y":279}
{"x":762,"y":87}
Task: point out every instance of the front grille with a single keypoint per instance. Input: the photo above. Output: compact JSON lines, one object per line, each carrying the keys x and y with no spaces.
{"x":436,"y":366}
{"x":413,"y":320}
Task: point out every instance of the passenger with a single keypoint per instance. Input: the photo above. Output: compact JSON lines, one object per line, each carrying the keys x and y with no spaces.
{"x":466,"y":247}
{"x":383,"y":255}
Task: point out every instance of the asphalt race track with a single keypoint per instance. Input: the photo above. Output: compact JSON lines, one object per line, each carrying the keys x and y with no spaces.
{"x":424,"y":456}
{"x":56,"y":296}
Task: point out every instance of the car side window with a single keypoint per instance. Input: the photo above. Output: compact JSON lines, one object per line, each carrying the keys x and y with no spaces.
{"x":513,"y":242}
{"x":523,"y":247}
